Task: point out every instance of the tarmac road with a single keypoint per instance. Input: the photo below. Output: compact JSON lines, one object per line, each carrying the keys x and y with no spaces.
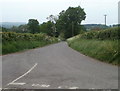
{"x":56,"y":67}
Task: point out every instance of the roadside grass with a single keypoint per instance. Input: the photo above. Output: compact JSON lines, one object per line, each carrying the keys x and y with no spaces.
{"x":103,"y":50}
{"x":15,"y":42}
{"x":0,"y":47}
{"x":16,"y":46}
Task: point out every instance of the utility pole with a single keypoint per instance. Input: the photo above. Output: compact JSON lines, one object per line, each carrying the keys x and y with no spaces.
{"x":72,"y":29}
{"x":119,"y":13}
{"x":105,"y":19}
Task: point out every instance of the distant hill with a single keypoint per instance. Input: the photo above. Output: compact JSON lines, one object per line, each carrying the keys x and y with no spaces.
{"x":11,"y":24}
{"x":94,"y":26}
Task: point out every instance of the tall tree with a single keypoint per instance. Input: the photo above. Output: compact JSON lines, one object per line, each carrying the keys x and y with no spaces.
{"x":70,"y":20}
{"x":47,"y":27}
{"x":53,"y":19}
{"x":33,"y":25}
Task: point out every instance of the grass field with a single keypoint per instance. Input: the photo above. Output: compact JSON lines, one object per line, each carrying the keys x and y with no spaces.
{"x":103,"y":50}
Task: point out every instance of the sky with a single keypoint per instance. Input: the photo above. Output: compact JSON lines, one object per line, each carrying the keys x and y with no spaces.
{"x":23,"y":10}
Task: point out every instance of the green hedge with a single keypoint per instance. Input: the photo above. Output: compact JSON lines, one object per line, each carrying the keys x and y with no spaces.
{"x":111,"y":33}
{"x":11,"y":36}
{"x":14,"y":42}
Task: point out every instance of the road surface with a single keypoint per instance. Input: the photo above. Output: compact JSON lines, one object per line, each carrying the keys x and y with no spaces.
{"x":56,"y":66}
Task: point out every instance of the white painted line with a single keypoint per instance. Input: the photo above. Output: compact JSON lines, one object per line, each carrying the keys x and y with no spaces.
{"x":59,"y":87}
{"x":17,"y":83}
{"x":41,"y":85}
{"x":73,"y":88}
{"x":91,"y":88}
{"x":4,"y":88}
{"x":23,"y":74}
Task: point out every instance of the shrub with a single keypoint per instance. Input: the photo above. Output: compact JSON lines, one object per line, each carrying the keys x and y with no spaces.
{"x":13,"y":42}
{"x":11,"y":36}
{"x":111,"y":33}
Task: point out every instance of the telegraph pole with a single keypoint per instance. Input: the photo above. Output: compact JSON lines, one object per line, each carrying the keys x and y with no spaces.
{"x":105,"y":19}
{"x":119,"y":13}
{"x":72,"y":29}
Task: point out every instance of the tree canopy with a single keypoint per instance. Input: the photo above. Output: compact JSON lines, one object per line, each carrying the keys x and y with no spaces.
{"x":33,"y":25}
{"x":46,"y":27}
{"x":69,"y":21}
{"x":64,"y":25}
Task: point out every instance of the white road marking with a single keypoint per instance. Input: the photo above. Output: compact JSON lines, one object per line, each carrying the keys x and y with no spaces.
{"x":41,"y":85}
{"x":59,"y":87}
{"x":91,"y":88}
{"x":17,"y":83}
{"x":62,"y":87}
{"x":4,"y":88}
{"x":73,"y":88}
{"x":13,"y":82}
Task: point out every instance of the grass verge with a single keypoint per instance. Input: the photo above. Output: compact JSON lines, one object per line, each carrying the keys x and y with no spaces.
{"x":16,"y":46}
{"x":103,"y":50}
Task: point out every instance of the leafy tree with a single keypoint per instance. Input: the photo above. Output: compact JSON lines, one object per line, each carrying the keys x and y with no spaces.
{"x":70,"y":20}
{"x":53,"y":19}
{"x":14,"y":29}
{"x":33,"y":25}
{"x":20,"y":29}
{"x":23,"y":28}
{"x":47,"y":27}
{"x":2,"y":29}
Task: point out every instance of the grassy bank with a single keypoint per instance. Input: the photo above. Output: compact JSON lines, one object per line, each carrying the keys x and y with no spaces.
{"x":106,"y":50}
{"x":15,"y":46}
{"x":14,"y":42}
{"x":101,"y":45}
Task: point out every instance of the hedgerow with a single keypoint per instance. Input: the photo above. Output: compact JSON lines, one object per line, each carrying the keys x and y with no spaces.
{"x":111,"y":33}
{"x":102,"y":45}
{"x":12,"y":36}
{"x":14,"y":42}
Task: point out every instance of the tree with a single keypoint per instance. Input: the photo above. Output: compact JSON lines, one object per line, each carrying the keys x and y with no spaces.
{"x":53,"y":19}
{"x":33,"y":25}
{"x":23,"y":28}
{"x":47,"y":27}
{"x":70,"y":20}
{"x":2,"y":29}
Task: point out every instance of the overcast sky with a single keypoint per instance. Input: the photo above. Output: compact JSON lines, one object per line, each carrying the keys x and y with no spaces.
{"x":22,"y":10}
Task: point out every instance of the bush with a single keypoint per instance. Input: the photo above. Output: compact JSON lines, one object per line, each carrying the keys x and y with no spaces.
{"x":11,"y":36}
{"x":111,"y":33}
{"x":102,"y":45}
{"x":13,"y":42}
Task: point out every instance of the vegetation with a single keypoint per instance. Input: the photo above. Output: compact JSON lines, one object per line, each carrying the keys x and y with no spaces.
{"x":47,"y":27}
{"x":99,"y":45}
{"x":65,"y":25}
{"x":33,"y":26}
{"x":69,"y":21}
{"x":111,"y":33}
{"x":13,"y":42}
{"x":90,"y":27}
